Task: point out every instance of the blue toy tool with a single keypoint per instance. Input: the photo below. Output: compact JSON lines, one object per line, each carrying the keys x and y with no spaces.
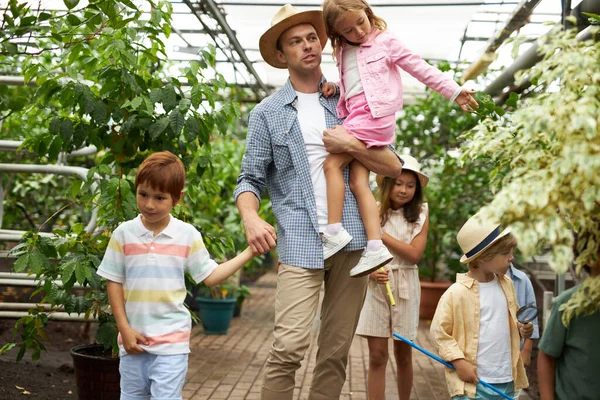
{"x":447,"y":364}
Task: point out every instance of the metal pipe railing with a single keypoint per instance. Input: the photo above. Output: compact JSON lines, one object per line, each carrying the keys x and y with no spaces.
{"x":28,"y":306}
{"x":16,"y":275}
{"x":57,"y":170}
{"x":57,"y":316}
{"x":13,"y":145}
{"x":10,"y":235}
{"x":33,"y":283}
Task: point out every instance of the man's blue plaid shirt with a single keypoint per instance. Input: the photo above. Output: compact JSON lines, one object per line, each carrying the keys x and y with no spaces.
{"x":276,"y":159}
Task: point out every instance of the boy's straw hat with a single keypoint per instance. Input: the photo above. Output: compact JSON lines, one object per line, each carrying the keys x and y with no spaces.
{"x":410,"y":164}
{"x":285,"y":18}
{"x":478,"y":234}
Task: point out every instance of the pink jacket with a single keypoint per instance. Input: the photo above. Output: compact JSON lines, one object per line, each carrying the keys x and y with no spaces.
{"x":378,"y":61}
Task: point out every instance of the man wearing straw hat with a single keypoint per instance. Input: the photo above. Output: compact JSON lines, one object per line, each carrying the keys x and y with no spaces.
{"x":285,"y":150}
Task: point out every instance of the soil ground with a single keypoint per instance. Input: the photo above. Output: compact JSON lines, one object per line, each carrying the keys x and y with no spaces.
{"x":52,"y":376}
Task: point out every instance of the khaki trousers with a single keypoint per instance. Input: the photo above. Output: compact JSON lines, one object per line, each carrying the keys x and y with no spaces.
{"x":296,"y":304}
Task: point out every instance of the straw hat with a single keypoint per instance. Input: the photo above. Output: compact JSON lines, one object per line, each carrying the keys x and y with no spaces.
{"x":478,"y":234}
{"x":285,"y":18}
{"x":411,"y":164}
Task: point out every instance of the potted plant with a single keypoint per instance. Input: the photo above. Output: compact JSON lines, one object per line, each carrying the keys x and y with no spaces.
{"x":216,"y":306}
{"x":431,"y":132}
{"x":96,"y":75}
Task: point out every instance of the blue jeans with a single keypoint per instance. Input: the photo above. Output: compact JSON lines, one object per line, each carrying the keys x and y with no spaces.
{"x":148,"y":376}
{"x":484,"y":393}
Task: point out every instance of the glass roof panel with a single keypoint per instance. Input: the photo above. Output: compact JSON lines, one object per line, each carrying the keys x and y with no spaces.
{"x":435,"y":29}
{"x":453,"y":30}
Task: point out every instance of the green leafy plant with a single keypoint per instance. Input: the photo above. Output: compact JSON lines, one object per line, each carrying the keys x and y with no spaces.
{"x":98,"y":76}
{"x":430,"y":130}
{"x":224,"y":290}
{"x":546,"y":154}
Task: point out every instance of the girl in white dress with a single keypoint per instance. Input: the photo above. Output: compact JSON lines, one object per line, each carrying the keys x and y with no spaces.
{"x":404,"y":218}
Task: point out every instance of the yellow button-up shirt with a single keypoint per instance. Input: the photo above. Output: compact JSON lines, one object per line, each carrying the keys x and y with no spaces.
{"x":455,"y":331}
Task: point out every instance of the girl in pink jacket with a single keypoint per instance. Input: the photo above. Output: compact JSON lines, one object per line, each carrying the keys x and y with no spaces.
{"x":369,"y":59}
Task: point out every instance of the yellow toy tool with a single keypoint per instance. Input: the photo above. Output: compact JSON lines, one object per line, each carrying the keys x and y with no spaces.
{"x":389,"y":291}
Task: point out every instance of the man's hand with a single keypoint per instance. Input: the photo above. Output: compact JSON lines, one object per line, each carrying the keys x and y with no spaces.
{"x":466,"y":101}
{"x":526,"y":357}
{"x":466,"y":371}
{"x":131,"y":338}
{"x":260,"y":235}
{"x":337,"y":140}
{"x":380,"y":276}
{"x":525,"y":330}
{"x":328,"y":89}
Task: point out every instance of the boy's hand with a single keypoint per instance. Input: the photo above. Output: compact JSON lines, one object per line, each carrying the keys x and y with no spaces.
{"x":466,"y":371}
{"x":131,"y":338}
{"x":525,"y":330}
{"x":328,"y":89}
{"x":526,"y":357}
{"x":380,"y":276}
{"x":260,"y":235}
{"x":466,"y":101}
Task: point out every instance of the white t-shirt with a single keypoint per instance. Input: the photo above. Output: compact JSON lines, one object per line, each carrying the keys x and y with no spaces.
{"x":350,"y":74}
{"x":493,"y":354}
{"x":311,"y":117}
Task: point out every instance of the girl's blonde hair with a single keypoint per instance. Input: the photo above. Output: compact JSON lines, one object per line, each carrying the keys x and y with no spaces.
{"x":411,"y":210}
{"x":502,"y":246}
{"x":333,"y":11}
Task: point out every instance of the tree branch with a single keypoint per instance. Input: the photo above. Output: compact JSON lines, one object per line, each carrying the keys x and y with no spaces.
{"x":27,"y":216}
{"x":55,"y":214}
{"x":7,"y":115}
{"x":24,"y":53}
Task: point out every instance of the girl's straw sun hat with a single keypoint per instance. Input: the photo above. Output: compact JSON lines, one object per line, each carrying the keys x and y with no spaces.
{"x":477,"y":235}
{"x":410,"y":164}
{"x":285,"y":18}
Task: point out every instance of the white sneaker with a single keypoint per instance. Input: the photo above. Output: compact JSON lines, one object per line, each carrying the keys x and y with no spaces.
{"x":334,"y":243}
{"x":370,"y":261}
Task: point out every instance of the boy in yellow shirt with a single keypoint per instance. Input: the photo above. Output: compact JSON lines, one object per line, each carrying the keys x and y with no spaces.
{"x":475,"y":327}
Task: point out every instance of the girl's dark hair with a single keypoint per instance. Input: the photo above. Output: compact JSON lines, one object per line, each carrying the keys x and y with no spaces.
{"x":411,"y":210}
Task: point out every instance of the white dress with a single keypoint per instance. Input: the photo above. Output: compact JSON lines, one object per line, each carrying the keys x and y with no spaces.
{"x":378,"y":318}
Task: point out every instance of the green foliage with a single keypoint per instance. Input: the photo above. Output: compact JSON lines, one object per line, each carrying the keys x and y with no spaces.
{"x":584,"y":301}
{"x":547,"y":153}
{"x":593,"y":18}
{"x":98,"y":76}
{"x":431,"y":131}
{"x":214,"y":203}
{"x":224,"y":290}
{"x":215,"y":210}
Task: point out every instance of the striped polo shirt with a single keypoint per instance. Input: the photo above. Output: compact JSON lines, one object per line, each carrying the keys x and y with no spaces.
{"x":151,"y":269}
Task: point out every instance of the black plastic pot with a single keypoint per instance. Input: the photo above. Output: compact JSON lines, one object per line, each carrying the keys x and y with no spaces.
{"x":96,"y":373}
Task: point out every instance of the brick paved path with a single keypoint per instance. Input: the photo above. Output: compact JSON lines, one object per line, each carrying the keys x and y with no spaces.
{"x":230,"y":366}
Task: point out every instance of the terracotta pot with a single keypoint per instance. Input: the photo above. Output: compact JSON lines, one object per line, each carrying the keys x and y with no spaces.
{"x":430,"y":295}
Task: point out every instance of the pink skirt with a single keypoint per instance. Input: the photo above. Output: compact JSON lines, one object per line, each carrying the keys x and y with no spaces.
{"x":361,"y":124}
